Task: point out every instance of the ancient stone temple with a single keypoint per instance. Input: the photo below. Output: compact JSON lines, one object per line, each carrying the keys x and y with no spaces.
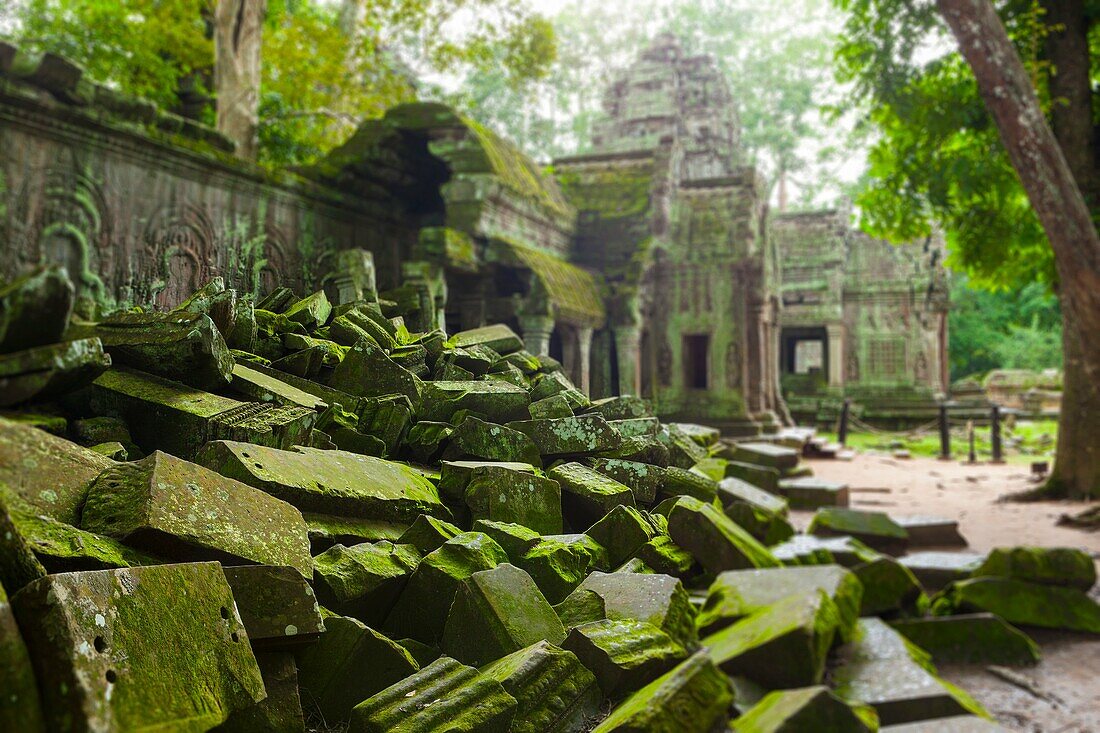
{"x":861,"y":318}
{"x":676,"y":225}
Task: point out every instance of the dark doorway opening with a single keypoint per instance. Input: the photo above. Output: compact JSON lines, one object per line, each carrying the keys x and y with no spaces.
{"x":805,"y":351}
{"x":696,"y":353}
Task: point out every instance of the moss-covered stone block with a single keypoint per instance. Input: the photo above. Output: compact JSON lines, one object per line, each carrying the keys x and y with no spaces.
{"x":328,"y":481}
{"x":47,"y":372}
{"x":695,"y":693}
{"x":887,"y":586}
{"x":763,"y":454}
{"x":312,"y":311}
{"x":556,"y":384}
{"x":63,"y":548}
{"x":1020,"y":602}
{"x":978,"y":638}
{"x":762,"y":477}
{"x":348,"y":664}
{"x":806,"y":708}
{"x":281,"y":710}
{"x":515,"y":539}
{"x":781,"y":645}
{"x":625,"y":655}
{"x":138,"y":648}
{"x":277,"y":605}
{"x":935,"y":569}
{"x":44,"y":474}
{"x":659,"y":600}
{"x":427,"y":534}
{"x":364,"y":581}
{"x":805,"y":549}
{"x":498,"y":337}
{"x":623,"y":407}
{"x":716,"y":542}
{"x":810,"y":492}
{"x":421,"y":611}
{"x":180,"y":510}
{"x":20,"y":706}
{"x":479,"y":440}
{"x":874,"y":529}
{"x":558,"y":563}
{"x":588,"y":495}
{"x":503,"y":495}
{"x":621,"y":532}
{"x":570,"y":436}
{"x":550,"y":407}
{"x":553,"y":690}
{"x":367,"y":371}
{"x":684,"y":482}
{"x":35,"y":308}
{"x":642,"y":478}
{"x":444,"y":697}
{"x":497,"y":612}
{"x":1048,"y":565}
{"x":739,"y":593}
{"x":664,"y":556}
{"x":498,"y":401}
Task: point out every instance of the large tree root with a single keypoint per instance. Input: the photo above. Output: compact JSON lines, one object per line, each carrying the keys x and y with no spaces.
{"x":1087,"y":520}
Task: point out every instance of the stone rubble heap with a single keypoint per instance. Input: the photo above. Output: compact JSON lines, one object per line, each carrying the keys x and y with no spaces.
{"x":291,"y":514}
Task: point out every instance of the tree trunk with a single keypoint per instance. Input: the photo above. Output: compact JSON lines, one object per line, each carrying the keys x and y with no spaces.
{"x":1046,"y":177}
{"x":238,"y":33}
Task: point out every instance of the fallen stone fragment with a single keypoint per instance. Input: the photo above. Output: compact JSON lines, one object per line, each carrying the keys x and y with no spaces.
{"x":186,"y":347}
{"x":326,"y":530}
{"x":364,"y":581}
{"x":659,"y":600}
{"x":666,"y":557}
{"x":424,"y":654}
{"x":621,"y":532}
{"x":954,"y":724}
{"x":498,"y":402}
{"x":558,"y":563}
{"x":311,"y":311}
{"x":739,"y":593}
{"x":425,"y":441}
{"x":20,"y":707}
{"x":478,"y":439}
{"x":281,"y":710}
{"x":427,"y":534}
{"x":926,"y":531}
{"x":574,"y":436}
{"x":760,"y":476}
{"x":637,"y":427}
{"x":732,"y":491}
{"x":812,"y":493}
{"x":782,"y":645}
{"x":455,"y":476}
{"x":444,"y":697}
{"x":639,"y":449}
{"x":18,"y":564}
{"x":387,"y":418}
{"x":175,"y":418}
{"x":1048,"y":565}
{"x":804,"y":709}
{"x":180,"y":510}
{"x":881,"y":669}
{"x":763,"y":454}
{"x":63,"y":548}
{"x":887,"y":586}
{"x":126,"y":650}
{"x":421,"y":611}
{"x":550,"y":407}
{"x":935,"y":569}
{"x":1020,"y":602}
{"x":497,"y":337}
{"x":642,"y":478}
{"x":683,"y":451}
{"x":35,"y":309}
{"x":44,"y":372}
{"x":805,"y":549}
{"x":348,"y":664}
{"x":625,"y":655}
{"x":694,"y":692}
{"x":496,"y":612}
{"x":367,"y":371}
{"x":553,"y":690}
{"x":306,"y":363}
{"x":557,"y":384}
{"x":624,"y":407}
{"x":45,"y":474}
{"x":681,"y":482}
{"x":114,"y":451}
{"x":501,"y":494}
{"x":588,"y":495}
{"x":716,"y":542}
{"x":514,"y":539}
{"x":979,"y":638}
{"x":874,"y":529}
{"x":327,"y":481}
{"x":256,"y":385}
{"x":277,"y":606}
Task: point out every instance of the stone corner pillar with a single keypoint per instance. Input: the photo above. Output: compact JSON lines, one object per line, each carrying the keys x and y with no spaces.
{"x":583,"y":368}
{"x":536,"y":333}
{"x":836,"y":355}
{"x":628,"y":341}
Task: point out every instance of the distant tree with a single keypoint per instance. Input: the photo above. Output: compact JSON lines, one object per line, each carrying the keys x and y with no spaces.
{"x":238,"y":43}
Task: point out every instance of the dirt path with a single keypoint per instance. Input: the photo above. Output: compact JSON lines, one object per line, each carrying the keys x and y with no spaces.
{"x":1065,"y":694}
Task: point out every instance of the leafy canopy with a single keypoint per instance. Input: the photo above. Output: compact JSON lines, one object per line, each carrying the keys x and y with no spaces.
{"x":326,"y":65}
{"x":936,"y":160}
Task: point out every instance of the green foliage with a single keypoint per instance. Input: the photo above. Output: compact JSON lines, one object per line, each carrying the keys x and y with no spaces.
{"x":1018,"y":329}
{"x":326,"y":65}
{"x":936,"y":160}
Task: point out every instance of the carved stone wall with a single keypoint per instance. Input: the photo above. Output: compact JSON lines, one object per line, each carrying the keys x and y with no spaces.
{"x":143,"y":218}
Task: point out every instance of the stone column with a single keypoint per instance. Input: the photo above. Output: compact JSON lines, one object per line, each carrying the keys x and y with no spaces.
{"x":354,"y":276}
{"x":627,"y":348}
{"x":584,"y":360}
{"x":536,"y":333}
{"x":836,"y":355}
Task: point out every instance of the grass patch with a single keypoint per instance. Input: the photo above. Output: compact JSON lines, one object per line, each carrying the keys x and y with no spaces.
{"x":1023,"y":442}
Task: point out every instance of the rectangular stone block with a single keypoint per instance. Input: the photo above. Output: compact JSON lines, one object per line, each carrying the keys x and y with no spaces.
{"x":497,"y":401}
{"x":588,"y":495}
{"x":328,"y":481}
{"x":179,"y":510}
{"x":580,"y":435}
{"x":763,"y":454}
{"x":127,"y":650}
{"x":553,"y":690}
{"x":812,"y":493}
{"x":48,"y":371}
{"x":277,"y":606}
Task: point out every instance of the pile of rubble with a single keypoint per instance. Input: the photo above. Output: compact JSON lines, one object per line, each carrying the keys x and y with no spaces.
{"x":291,"y":514}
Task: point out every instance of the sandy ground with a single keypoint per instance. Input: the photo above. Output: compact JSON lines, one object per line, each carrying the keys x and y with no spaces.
{"x":1064,"y":695}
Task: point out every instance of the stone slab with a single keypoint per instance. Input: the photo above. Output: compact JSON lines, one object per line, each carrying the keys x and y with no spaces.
{"x":813,"y":493}
{"x":717,"y":543}
{"x":570,"y":436}
{"x":45,"y":372}
{"x":553,"y":690}
{"x":277,"y":605}
{"x":877,"y":530}
{"x":625,"y":655}
{"x":935,"y":569}
{"x":929,"y":531}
